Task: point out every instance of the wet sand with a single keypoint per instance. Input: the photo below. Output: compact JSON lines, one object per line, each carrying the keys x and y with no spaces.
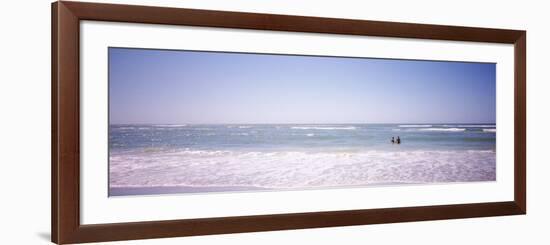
{"x":129,"y":191}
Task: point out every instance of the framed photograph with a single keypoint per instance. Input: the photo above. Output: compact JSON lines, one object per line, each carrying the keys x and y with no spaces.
{"x":177,"y":122}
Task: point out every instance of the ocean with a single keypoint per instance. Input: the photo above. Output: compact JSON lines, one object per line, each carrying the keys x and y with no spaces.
{"x":191,"y":158}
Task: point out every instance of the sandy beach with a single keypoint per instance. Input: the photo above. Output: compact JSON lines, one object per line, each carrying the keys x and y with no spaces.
{"x":130,"y":191}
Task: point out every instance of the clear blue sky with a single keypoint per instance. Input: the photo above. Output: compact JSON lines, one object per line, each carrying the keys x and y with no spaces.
{"x":163,"y":86}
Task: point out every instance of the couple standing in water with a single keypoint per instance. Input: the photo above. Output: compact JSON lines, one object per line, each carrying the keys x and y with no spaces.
{"x":398,"y":141}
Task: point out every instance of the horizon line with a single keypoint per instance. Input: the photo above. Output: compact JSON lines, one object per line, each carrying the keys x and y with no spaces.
{"x":404,"y":123}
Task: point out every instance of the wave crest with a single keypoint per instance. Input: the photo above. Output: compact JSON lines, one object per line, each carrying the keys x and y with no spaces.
{"x":324,"y":128}
{"x":415,"y":126}
{"x":170,"y":125}
{"x":293,"y":169}
{"x":444,"y":129}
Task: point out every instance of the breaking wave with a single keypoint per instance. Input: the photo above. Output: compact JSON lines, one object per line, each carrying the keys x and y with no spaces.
{"x":415,"y":126}
{"x":444,"y":129}
{"x":294,"y":169}
{"x":324,"y":128}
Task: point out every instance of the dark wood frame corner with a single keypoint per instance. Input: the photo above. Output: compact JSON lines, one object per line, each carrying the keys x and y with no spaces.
{"x":66,"y":17}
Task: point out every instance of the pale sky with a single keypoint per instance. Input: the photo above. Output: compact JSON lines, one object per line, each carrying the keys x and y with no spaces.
{"x":165,"y":86}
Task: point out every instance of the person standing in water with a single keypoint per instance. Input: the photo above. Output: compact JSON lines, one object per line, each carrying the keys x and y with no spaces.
{"x":398,"y":140}
{"x":393,"y":140}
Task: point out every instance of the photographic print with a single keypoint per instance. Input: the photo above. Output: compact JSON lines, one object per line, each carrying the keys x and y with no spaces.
{"x":208,"y":122}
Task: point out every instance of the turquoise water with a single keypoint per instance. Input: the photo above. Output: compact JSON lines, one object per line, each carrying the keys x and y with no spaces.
{"x":299,"y":155}
{"x":304,"y":137}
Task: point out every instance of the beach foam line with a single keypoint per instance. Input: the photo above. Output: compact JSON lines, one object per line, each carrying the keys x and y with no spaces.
{"x":240,"y":134}
{"x":324,"y":128}
{"x":469,"y":126}
{"x":444,"y":129}
{"x":490,"y":130}
{"x":170,"y":125}
{"x":291,"y":169}
{"x":124,"y":128}
{"x":188,"y":154}
{"x":415,"y":126}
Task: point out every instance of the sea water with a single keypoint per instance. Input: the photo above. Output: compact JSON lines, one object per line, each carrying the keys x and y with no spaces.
{"x":287,"y":156}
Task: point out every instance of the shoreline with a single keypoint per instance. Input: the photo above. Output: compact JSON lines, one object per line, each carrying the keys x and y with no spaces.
{"x":194,"y":190}
{"x":159,"y":190}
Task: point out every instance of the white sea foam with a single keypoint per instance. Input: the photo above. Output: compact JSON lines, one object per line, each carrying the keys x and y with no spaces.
{"x":324,"y":128}
{"x":470,"y":126}
{"x":310,"y":135}
{"x":294,"y":169}
{"x":444,"y":129}
{"x":240,"y":134}
{"x":490,"y":130}
{"x":415,"y":126}
{"x":170,"y":125}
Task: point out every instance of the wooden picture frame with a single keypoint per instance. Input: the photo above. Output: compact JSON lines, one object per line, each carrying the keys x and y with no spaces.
{"x":65,"y":170}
